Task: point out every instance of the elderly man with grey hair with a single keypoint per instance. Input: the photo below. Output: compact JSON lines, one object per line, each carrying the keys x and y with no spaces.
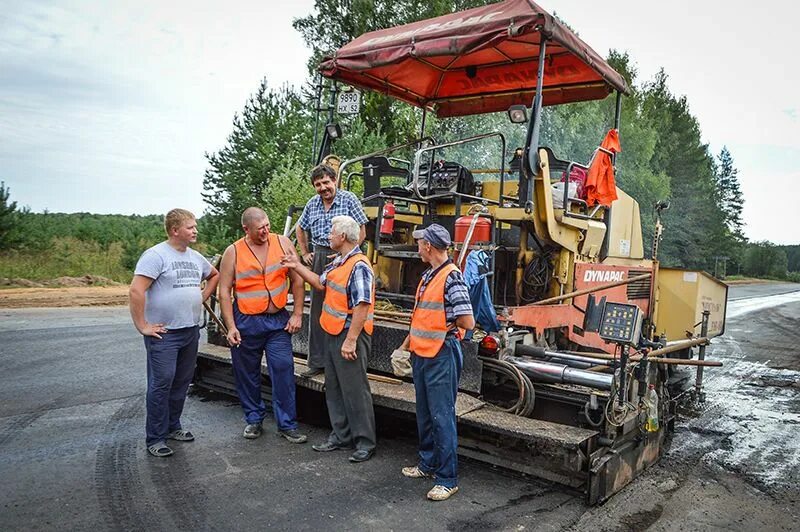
{"x":346,"y":320}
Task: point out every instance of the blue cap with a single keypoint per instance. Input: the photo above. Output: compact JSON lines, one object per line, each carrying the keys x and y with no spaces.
{"x":435,"y":234}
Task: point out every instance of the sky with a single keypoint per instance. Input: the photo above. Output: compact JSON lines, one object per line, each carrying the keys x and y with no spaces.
{"x":109,"y":106}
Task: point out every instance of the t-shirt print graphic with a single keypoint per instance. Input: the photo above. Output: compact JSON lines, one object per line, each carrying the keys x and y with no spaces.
{"x":187,"y":274}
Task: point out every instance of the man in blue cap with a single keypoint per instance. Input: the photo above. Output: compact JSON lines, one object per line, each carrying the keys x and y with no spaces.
{"x":441,"y":310}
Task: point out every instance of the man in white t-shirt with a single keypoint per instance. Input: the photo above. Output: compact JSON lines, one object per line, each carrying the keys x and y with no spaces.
{"x":166,"y":303}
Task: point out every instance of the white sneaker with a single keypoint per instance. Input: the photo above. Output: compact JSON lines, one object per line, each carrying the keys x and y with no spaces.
{"x":415,"y":472}
{"x":441,"y":493}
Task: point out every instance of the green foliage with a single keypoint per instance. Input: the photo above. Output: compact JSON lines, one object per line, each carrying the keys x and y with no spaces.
{"x":291,"y":186}
{"x":765,"y":259}
{"x":49,"y":245}
{"x":730,"y":193}
{"x":9,"y":215}
{"x":336,"y":22}
{"x":65,"y":256}
{"x":273,"y":126}
{"x":792,"y":257}
{"x":138,"y":238}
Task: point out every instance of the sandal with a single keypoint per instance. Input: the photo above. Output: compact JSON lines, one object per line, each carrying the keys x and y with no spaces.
{"x":160,"y":450}
{"x":180,"y":435}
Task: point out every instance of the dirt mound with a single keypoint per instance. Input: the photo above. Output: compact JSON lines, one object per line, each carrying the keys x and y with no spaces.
{"x":86,"y":280}
{"x":16,"y":282}
{"x":68,"y":282}
{"x":73,"y":296}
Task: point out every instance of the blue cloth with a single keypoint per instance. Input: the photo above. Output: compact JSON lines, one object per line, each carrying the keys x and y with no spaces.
{"x":436,"y":387}
{"x":317,"y":220}
{"x":437,"y":235}
{"x":260,"y":333}
{"x":476,"y":275}
{"x":170,"y":367}
{"x":456,"y":294}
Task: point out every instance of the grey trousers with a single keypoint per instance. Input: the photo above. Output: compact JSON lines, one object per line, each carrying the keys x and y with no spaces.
{"x":347,"y":393}
{"x":316,"y":336}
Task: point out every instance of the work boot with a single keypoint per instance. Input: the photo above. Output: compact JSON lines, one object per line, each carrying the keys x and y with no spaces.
{"x":361,"y":455}
{"x":253,"y":431}
{"x":441,"y":493}
{"x":312,"y":372}
{"x":328,"y":446}
{"x":293,"y":435}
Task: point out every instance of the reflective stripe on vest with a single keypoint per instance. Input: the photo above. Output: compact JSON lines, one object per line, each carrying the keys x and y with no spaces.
{"x":429,"y":320}
{"x":255,"y":286}
{"x":334,"y":308}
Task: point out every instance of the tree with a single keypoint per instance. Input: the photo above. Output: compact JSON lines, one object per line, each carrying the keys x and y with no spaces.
{"x":730,"y":192}
{"x":8,"y":219}
{"x":765,"y":259}
{"x":273,"y":126}
{"x":694,"y":225}
{"x":336,"y":22}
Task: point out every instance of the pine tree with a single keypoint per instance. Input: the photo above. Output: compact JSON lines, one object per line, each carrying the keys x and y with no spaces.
{"x":8,"y":218}
{"x":274,"y":125}
{"x":730,"y":192}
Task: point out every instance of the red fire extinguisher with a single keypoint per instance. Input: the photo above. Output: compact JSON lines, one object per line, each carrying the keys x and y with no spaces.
{"x":387,"y":226}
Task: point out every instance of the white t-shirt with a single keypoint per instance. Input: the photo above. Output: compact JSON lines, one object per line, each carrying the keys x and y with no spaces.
{"x":174,"y":298}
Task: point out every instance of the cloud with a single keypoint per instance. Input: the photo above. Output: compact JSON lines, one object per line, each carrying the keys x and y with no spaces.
{"x":109,"y":107}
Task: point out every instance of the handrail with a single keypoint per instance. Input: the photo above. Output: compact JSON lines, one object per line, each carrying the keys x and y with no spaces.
{"x":568,"y":200}
{"x":421,"y":151}
{"x":390,"y":149}
{"x":350,"y":176}
{"x":390,"y":196}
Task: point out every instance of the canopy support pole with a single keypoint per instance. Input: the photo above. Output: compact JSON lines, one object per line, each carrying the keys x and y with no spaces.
{"x":617,"y":117}
{"x":532,"y":144}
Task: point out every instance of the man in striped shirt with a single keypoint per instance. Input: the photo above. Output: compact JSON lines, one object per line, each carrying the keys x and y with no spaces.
{"x":441,"y":309}
{"x":316,"y":219}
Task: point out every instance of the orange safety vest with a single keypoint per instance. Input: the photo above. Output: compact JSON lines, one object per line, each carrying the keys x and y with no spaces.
{"x":255,"y":285}
{"x":334,"y":306}
{"x":429,"y":321}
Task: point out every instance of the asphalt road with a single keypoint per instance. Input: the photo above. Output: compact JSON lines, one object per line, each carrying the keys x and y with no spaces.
{"x":72,"y":453}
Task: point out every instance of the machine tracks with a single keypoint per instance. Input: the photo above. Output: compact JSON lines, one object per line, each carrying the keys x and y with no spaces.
{"x":123,"y":500}
{"x":159,"y":495}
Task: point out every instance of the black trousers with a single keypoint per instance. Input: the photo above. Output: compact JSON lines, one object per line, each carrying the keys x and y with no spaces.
{"x":347,"y":393}
{"x":316,"y":336}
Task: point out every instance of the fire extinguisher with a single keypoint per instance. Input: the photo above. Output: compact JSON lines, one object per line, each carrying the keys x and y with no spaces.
{"x":387,"y":226}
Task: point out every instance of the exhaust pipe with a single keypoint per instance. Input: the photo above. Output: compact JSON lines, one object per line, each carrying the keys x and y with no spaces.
{"x":561,"y":374}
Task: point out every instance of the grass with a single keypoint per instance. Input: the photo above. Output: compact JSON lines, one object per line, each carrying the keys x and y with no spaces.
{"x":68,"y":257}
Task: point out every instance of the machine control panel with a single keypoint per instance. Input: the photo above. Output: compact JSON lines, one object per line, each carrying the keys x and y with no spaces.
{"x":621,"y":323}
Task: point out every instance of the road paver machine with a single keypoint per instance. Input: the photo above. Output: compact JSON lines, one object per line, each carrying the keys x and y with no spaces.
{"x":556,"y":383}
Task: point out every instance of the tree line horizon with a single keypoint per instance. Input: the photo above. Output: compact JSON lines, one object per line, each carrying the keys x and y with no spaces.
{"x":267,"y":158}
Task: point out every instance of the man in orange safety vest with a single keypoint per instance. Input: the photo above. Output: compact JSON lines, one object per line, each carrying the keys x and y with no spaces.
{"x":258,"y":322}
{"x":441,"y":310}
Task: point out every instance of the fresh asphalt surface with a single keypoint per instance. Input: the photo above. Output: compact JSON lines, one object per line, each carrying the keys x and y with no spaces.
{"x":72,"y":452}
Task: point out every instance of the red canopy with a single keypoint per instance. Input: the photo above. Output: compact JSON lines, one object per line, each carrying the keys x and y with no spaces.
{"x":476,"y":61}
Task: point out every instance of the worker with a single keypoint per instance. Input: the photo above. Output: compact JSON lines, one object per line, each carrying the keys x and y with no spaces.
{"x":166,"y":302}
{"x":346,"y":320}
{"x":441,"y":307}
{"x":258,"y":322}
{"x":316,"y":218}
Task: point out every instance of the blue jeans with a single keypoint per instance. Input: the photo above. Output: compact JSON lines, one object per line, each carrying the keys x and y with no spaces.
{"x":436,"y":386}
{"x":260,"y":333}
{"x":170,"y":368}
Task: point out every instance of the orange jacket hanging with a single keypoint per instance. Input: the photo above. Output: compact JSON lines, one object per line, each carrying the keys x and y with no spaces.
{"x":600,"y":186}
